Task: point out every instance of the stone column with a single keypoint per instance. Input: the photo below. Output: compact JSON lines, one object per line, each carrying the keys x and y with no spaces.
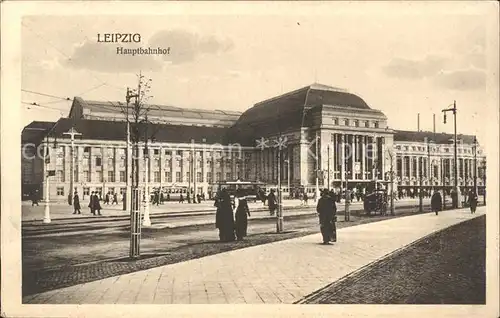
{"x":353,"y":156}
{"x":342,"y":158}
{"x":382,"y":159}
{"x":375,"y":158}
{"x":363,"y":157}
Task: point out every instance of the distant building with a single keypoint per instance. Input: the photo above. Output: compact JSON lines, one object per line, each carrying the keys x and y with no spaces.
{"x":191,"y":146}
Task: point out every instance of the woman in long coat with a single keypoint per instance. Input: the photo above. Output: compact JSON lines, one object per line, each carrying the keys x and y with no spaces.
{"x":473,"y":202}
{"x":224,"y":219}
{"x":76,"y":204}
{"x":436,"y":202}
{"x":242,"y":210}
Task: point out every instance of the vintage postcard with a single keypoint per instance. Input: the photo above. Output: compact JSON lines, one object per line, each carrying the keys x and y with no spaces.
{"x":279,"y":158}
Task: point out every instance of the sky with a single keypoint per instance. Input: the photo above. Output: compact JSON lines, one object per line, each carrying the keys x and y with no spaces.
{"x":399,"y":62}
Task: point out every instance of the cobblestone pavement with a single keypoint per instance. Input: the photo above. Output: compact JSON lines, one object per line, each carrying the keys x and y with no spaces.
{"x":280,"y":272}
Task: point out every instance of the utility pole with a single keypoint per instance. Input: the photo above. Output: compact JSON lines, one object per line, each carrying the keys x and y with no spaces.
{"x":193,"y":152}
{"x":72,"y":132}
{"x":328,"y":149}
{"x":347,"y":212}
{"x":46,"y":217}
{"x":279,"y":214}
{"x":317,"y":168}
{"x":455,"y":199}
{"x":147,"y":221}
{"x":128,"y":156}
{"x":475,"y":165}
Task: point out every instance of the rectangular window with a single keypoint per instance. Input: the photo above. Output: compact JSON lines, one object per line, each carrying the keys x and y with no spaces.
{"x":367,"y":124}
{"x":247,"y":175}
{"x":228,"y":176}
{"x":86,"y":150}
{"x":168,"y":176}
{"x":178,"y":176}
{"x":156,"y":151}
{"x":188,"y":176}
{"x":168,"y":152}
{"x":86,"y":191}
{"x":179,"y":152}
{"x":157,"y":176}
{"x":98,"y":161}
{"x":60,"y":176}
{"x":122,"y":176}
{"x":86,"y":175}
{"x":199,"y":177}
{"x":111,"y":190}
{"x":167,"y":163}
{"x":376,"y":124}
{"x":218,"y":176}
{"x":60,"y":190}
{"x":209,"y":177}
{"x":123,"y":191}
{"x":111,"y":176}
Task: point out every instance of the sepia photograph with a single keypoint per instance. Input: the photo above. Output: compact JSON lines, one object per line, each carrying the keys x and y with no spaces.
{"x":310,"y":154}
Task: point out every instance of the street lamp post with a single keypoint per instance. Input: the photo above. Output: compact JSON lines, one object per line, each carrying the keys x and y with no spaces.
{"x":72,"y":133}
{"x":455,"y":200}
{"x":317,"y":168}
{"x":475,"y":165}
{"x":46,"y":217}
{"x":287,"y":161}
{"x":146,"y":221}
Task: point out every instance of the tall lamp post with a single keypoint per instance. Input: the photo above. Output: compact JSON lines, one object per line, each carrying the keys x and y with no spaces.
{"x":72,"y":133}
{"x":474,"y":145}
{"x":455,"y":199}
{"x":287,"y":161}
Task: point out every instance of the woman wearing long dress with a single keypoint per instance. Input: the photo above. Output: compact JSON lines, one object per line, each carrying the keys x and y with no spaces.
{"x":242,"y":213}
{"x":224,"y":219}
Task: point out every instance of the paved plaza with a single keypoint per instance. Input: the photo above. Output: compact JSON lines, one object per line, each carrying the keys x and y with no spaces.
{"x":280,"y":272}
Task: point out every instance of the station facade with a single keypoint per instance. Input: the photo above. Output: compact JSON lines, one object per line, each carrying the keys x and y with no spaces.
{"x":323,"y":132}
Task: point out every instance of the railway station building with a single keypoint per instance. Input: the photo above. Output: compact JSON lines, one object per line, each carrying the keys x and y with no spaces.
{"x":323,"y":132}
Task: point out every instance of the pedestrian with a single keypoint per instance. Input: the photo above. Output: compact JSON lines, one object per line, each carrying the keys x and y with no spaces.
{"x":106,"y":199}
{"x":157,"y":198}
{"x":188,"y":196}
{"x":473,"y":201}
{"x":241,"y":219}
{"x":168,"y":197}
{"x":325,"y":209}
{"x":333,"y":237}
{"x":224,"y":218}
{"x":436,"y":202}
{"x":97,"y":205}
{"x":272,"y":202}
{"x":181,"y":198}
{"x":34,"y":198}
{"x":162,"y":197}
{"x":76,"y":204}
{"x":305,"y":198}
{"x":115,"y":198}
{"x":91,"y":203}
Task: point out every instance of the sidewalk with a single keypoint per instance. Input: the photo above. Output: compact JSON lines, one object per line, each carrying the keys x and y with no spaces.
{"x":281,"y":272}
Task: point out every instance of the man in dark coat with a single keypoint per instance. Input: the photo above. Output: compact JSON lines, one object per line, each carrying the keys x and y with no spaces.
{"x":224,"y":218}
{"x":34,"y":198}
{"x":76,"y":204}
{"x":241,"y":219}
{"x":97,"y":204}
{"x":472,"y":201}
{"x":91,"y":203}
{"x":325,"y":209}
{"x":272,"y":203}
{"x":333,"y":237}
{"x":436,"y":202}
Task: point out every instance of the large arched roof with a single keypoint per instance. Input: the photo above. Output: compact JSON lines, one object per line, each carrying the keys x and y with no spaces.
{"x":289,"y":111}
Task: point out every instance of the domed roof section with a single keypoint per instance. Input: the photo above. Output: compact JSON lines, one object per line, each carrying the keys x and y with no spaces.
{"x":288,"y":111}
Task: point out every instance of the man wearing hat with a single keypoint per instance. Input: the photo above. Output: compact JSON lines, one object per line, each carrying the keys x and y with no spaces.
{"x":326,"y":210}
